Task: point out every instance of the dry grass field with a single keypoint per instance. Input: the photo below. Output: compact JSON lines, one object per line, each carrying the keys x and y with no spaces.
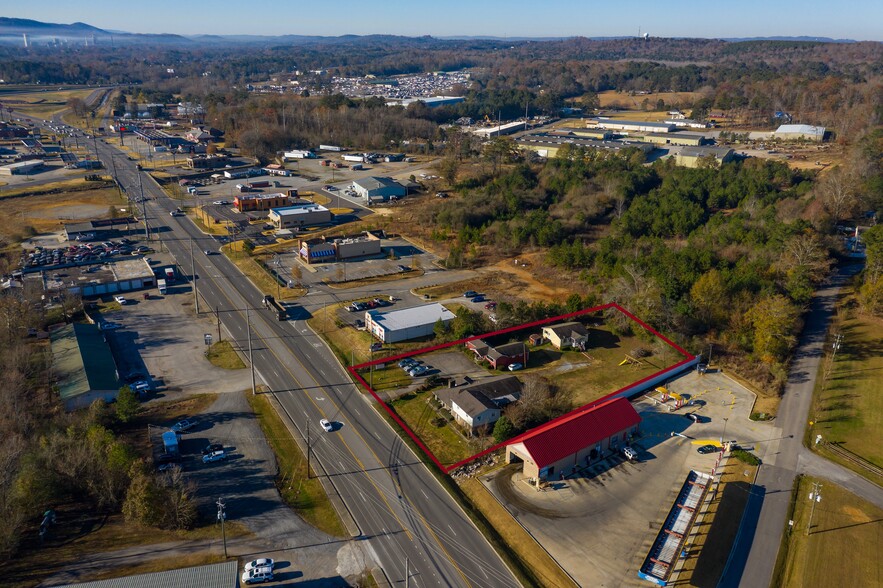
{"x":43,"y":104}
{"x":614,"y":99}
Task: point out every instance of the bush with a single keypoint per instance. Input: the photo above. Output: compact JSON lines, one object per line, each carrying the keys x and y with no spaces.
{"x":745,"y":457}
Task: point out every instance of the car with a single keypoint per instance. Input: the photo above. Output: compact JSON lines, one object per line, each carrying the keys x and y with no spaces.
{"x":352,"y":308}
{"x":140,"y":387}
{"x":221,"y":202}
{"x":264,"y":562}
{"x":360,"y":324}
{"x":184,"y":425}
{"x":490,"y":306}
{"x":377,"y":346}
{"x":209,"y":252}
{"x":478,"y":298}
{"x":214,"y":456}
{"x":630,"y":454}
{"x":212,"y":447}
{"x":407,"y":362}
{"x":331,"y":188}
{"x":514,"y":367}
{"x":108,"y":326}
{"x":165,"y":467}
{"x":121,"y":300}
{"x":470,"y":294}
{"x":326,"y":424}
{"x":705,"y":449}
{"x":257,"y":575}
{"x":418,"y":371}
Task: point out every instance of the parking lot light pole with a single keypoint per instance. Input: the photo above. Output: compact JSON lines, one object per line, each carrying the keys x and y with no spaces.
{"x":724,"y":434}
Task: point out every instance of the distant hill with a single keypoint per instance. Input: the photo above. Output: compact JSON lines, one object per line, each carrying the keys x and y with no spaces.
{"x":42,"y":33}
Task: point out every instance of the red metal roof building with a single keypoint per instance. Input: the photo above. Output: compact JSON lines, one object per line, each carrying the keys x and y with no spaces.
{"x":575,"y":439}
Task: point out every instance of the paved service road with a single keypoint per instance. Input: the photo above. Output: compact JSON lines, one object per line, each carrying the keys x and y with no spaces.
{"x":757,"y":545}
{"x":405,"y":515}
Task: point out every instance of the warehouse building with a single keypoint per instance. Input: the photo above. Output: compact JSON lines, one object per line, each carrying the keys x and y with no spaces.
{"x":219,"y":575}
{"x":577,"y":439}
{"x":633,"y":126}
{"x":498,"y":130}
{"x":299,"y":216}
{"x":98,"y":230}
{"x":430,"y":101}
{"x":21,"y":168}
{"x":685,"y":139}
{"x":548,"y":144}
{"x":322,"y":249}
{"x":84,"y":366}
{"x":694,"y":156}
{"x":115,"y":277}
{"x":378,"y":189}
{"x":409,"y":323}
{"x":798,"y":132}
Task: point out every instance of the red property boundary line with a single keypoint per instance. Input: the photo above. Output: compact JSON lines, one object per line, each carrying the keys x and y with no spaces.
{"x":354,"y":370}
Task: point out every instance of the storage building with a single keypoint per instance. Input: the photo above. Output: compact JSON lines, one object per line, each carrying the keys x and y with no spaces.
{"x":634,"y":126}
{"x":301,"y":215}
{"x":83,"y":365}
{"x":798,"y":132}
{"x":497,"y":130}
{"x":21,"y":168}
{"x":577,"y":439}
{"x":378,"y":189}
{"x":409,"y":323}
{"x":694,"y":156}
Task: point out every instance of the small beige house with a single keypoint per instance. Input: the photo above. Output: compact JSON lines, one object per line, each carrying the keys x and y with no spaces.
{"x":564,"y":335}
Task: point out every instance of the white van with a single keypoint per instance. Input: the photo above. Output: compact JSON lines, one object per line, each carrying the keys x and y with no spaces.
{"x":257,"y":575}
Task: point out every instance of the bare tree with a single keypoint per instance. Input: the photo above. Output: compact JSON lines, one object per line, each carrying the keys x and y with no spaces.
{"x":838,"y":193}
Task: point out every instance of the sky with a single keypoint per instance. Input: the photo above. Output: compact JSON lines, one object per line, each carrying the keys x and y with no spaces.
{"x":847,"y":19}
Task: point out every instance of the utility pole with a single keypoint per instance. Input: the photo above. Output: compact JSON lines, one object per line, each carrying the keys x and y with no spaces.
{"x":309,"y":450}
{"x":407,"y":572}
{"x":725,"y":430}
{"x":218,"y":319}
{"x":222,"y":516}
{"x":193,"y":273}
{"x":143,"y":208}
{"x":254,"y":388}
{"x":813,"y":497}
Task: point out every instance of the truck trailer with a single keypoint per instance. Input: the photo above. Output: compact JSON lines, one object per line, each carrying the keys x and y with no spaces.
{"x":273,"y":305}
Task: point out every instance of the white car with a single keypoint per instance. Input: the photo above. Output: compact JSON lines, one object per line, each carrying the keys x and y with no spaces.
{"x":214,"y":456}
{"x":326,"y":425}
{"x":264,"y":562}
{"x":630,"y":454}
{"x":257,"y":575}
{"x":121,"y":300}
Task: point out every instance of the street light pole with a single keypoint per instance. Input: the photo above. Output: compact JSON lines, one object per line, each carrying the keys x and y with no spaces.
{"x":724,"y":434}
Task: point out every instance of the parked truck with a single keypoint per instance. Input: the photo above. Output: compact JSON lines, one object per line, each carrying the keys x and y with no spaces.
{"x":161,"y":286}
{"x":272,"y":304}
{"x":169,"y":272}
{"x":260,"y":184}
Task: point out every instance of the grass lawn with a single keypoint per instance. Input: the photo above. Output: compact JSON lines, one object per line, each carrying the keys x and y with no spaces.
{"x":446,"y":444}
{"x":525,"y":547}
{"x":844,"y":544}
{"x":222,"y":355}
{"x":848,"y":409}
{"x":305,"y":495}
{"x":414,"y":273}
{"x":257,"y":273}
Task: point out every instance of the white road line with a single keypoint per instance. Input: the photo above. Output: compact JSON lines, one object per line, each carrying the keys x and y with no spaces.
{"x":452,"y":529}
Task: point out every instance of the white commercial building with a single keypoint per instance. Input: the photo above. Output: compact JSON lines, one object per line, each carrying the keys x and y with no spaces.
{"x":299,"y":154}
{"x":409,"y":323}
{"x":378,"y":189}
{"x":21,"y":167}
{"x":805,"y":132}
{"x":496,"y":131}
{"x":303,"y":215}
{"x":636,"y":126}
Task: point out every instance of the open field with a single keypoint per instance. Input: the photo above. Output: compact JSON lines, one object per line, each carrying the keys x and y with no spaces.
{"x":42,"y":104}
{"x":612,"y":98}
{"x":518,"y":540}
{"x":843,"y":547}
{"x":848,"y":408}
{"x":222,"y":355}
{"x":304,"y":494}
{"x":45,"y":213}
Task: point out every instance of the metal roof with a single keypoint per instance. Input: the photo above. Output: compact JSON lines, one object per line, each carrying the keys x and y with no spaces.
{"x":220,"y":575}
{"x":82,"y":360}
{"x":376,"y":183}
{"x":573,"y":432}
{"x":411,"y":317}
{"x":801,"y":129}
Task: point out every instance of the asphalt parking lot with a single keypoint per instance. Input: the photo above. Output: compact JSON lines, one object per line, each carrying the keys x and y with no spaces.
{"x":595,"y":522}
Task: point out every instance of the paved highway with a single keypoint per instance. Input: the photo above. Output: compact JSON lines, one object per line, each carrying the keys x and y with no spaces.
{"x":412,"y":525}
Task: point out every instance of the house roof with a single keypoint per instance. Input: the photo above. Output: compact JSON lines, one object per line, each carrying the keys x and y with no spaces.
{"x":575,"y":431}
{"x":377,"y":183}
{"x":801,"y":129}
{"x":716,"y":152}
{"x":475,"y":399}
{"x":82,"y":360}
{"x":406,"y":318}
{"x":471,"y":401}
{"x":568,"y":329}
